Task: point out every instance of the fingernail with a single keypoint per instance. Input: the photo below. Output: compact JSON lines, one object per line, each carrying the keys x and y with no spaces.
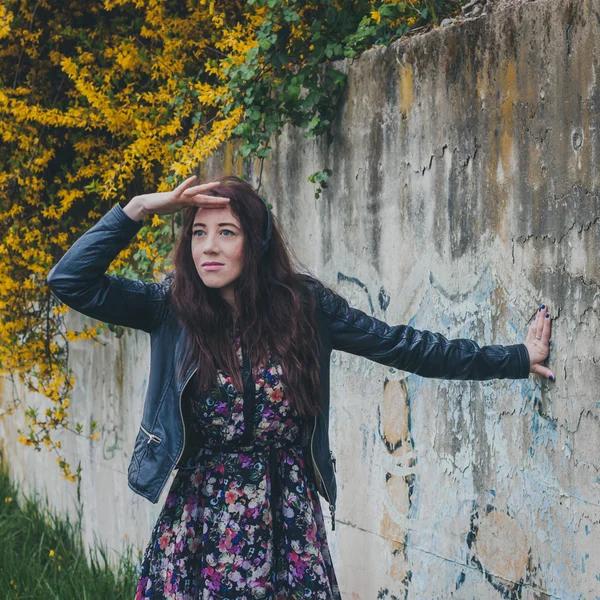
{"x":534,"y":318}
{"x":542,"y":306}
{"x":551,"y":378}
{"x":547,"y":315}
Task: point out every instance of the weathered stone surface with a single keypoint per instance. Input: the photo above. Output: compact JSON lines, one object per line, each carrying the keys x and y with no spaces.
{"x":465,"y":191}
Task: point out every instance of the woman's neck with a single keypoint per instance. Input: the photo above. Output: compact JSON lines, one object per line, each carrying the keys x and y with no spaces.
{"x":227,"y":293}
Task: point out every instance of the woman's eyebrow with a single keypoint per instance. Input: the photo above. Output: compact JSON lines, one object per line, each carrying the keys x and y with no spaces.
{"x":219,"y":225}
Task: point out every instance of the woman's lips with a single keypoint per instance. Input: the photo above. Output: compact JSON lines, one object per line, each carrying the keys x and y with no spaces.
{"x":212,"y":266}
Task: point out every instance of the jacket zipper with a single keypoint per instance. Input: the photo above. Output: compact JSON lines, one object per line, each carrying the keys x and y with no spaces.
{"x":181,"y":414}
{"x":182,"y":425}
{"x":320,"y":477}
{"x":151,"y":436}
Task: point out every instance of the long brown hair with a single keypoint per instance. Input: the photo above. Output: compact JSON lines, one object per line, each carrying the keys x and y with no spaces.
{"x":275,"y":310}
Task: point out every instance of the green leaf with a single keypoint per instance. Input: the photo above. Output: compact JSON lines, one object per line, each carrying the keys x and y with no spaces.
{"x":314,"y":122}
{"x":245,"y":151}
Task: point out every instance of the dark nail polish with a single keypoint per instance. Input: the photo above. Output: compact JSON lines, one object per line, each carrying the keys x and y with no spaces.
{"x":551,"y":378}
{"x":547,"y":315}
{"x":542,"y":306}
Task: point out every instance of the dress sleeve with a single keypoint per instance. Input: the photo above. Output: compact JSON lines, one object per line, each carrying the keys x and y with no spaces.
{"x":79,"y":278}
{"x":421,"y":352}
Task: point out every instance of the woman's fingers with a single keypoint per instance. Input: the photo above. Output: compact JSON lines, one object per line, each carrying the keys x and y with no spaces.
{"x":183,"y":186}
{"x":547,"y":329}
{"x":195,"y":196}
{"x":543,"y":328}
{"x":539,"y":320}
{"x":543,"y":372}
{"x":198,"y":189}
{"x":208,"y":201}
{"x":165,"y":203}
{"x":531,"y":331}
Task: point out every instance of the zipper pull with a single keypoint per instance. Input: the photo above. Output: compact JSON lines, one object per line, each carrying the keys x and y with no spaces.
{"x":333,"y":461}
{"x":151,"y":436}
{"x":332,"y":513}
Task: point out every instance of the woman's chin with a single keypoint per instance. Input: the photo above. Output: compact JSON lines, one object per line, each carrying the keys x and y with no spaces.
{"x":213,"y":285}
{"x":214,"y":281}
{"x":222,"y":284}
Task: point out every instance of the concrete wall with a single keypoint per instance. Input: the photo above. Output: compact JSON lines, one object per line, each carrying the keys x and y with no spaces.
{"x":111,"y":378}
{"x":465,"y":191}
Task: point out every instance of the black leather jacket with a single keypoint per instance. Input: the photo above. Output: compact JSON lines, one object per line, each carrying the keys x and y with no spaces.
{"x":79,"y":280}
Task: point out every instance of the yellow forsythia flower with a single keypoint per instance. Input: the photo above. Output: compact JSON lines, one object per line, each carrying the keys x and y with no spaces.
{"x":6,"y":18}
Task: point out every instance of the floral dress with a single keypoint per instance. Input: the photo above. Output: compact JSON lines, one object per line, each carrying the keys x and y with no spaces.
{"x":241,"y":521}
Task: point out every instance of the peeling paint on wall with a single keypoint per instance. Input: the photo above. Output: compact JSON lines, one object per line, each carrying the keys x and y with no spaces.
{"x":486,"y":154}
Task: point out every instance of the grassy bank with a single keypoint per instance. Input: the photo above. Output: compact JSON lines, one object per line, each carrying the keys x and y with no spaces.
{"x":42,"y":557}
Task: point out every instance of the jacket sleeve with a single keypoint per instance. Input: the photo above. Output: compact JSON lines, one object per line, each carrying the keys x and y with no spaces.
{"x":421,"y":352}
{"x":80,"y":282}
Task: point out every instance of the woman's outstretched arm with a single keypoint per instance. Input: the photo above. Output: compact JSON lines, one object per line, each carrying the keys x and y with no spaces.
{"x":431,"y":354}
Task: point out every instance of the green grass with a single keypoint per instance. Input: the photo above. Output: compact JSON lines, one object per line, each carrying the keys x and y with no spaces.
{"x":42,"y":556}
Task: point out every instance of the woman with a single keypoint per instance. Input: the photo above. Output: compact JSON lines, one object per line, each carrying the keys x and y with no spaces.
{"x":238,"y":399}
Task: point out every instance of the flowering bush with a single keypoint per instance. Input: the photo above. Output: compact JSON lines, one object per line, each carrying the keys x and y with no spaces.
{"x":103,"y":99}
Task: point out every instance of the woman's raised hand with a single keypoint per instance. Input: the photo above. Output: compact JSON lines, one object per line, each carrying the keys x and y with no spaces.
{"x":166,"y":203}
{"x":538,"y":343}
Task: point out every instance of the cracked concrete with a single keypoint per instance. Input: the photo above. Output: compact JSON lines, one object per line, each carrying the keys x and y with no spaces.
{"x":487,"y":202}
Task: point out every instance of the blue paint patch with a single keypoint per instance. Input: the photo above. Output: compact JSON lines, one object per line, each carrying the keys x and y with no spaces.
{"x":535,"y":424}
{"x":587,"y":530}
{"x":531,"y":451}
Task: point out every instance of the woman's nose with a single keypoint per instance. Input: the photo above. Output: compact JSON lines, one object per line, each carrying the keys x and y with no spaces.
{"x":211,"y":244}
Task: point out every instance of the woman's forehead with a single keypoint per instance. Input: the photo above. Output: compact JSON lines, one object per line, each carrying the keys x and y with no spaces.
{"x":212,"y":216}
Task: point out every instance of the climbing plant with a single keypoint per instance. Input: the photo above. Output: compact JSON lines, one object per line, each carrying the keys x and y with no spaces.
{"x":104,"y":99}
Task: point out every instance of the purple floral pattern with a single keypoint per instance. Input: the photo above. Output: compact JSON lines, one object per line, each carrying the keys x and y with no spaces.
{"x":242,"y":523}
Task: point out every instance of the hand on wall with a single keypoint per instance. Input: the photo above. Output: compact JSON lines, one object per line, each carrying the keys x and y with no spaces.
{"x":538,"y":342}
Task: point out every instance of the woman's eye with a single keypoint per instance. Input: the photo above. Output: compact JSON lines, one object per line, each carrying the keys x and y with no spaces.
{"x":202,"y":233}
